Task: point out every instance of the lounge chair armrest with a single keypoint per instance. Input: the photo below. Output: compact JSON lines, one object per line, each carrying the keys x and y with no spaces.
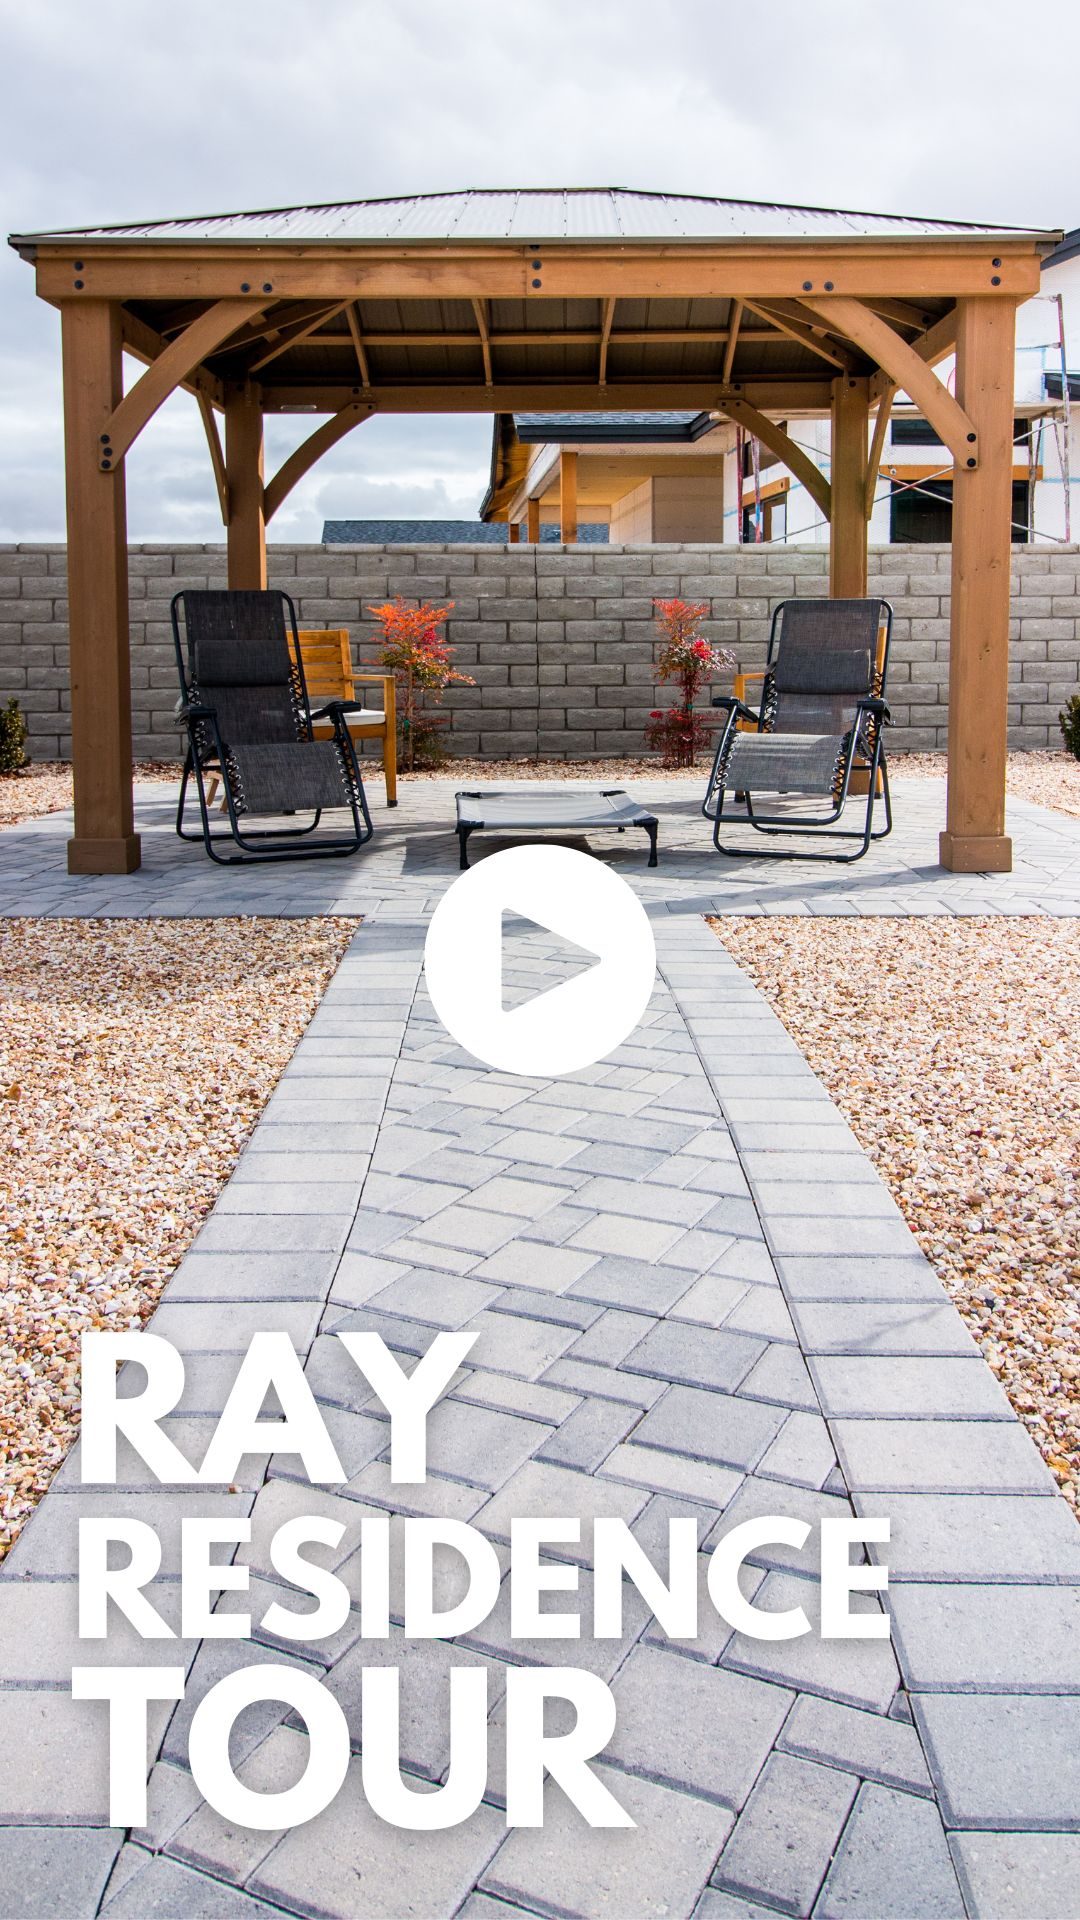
{"x":734,"y":706}
{"x":194,"y":711}
{"x":333,"y":707}
{"x":879,"y":708}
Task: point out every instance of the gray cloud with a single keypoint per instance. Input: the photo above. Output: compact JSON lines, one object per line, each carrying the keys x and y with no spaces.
{"x":118,"y":110}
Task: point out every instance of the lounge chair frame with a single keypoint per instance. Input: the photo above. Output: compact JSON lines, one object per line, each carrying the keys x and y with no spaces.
{"x":209,"y":757}
{"x":862,"y":743}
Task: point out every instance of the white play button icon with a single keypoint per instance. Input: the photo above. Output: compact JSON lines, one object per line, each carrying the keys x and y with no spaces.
{"x":594,"y":933}
{"x":523,"y":939}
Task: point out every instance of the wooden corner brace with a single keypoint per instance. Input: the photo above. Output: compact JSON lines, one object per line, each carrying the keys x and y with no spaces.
{"x":906,"y":369}
{"x":163,"y":376}
{"x":310,"y":450}
{"x":772,"y":435}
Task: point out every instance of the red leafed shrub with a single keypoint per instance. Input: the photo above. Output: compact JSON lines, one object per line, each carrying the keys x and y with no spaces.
{"x":691,"y":661}
{"x":414,"y":649}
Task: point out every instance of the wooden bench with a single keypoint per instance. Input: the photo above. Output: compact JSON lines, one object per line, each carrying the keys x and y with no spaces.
{"x":328,"y":670}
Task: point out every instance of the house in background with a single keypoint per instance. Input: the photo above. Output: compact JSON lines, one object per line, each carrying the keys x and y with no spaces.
{"x":913,"y":496}
{"x":645,"y":476}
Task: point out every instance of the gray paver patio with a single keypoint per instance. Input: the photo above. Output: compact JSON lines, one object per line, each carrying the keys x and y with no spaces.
{"x":669,"y":1324}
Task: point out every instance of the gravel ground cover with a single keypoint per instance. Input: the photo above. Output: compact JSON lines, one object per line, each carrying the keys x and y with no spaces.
{"x":135,"y":1059}
{"x":950,"y":1047}
{"x":45,"y":787}
{"x":1047,"y":779}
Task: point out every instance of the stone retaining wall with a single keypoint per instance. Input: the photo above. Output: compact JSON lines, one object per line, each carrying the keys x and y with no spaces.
{"x":559,"y":639}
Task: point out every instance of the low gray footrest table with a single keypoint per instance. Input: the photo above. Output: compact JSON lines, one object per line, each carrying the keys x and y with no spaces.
{"x":549,"y":809}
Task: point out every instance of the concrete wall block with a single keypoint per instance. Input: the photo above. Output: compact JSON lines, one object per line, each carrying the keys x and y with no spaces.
{"x":568,"y":652}
{"x":597,"y":675}
{"x":507,"y":653}
{"x":27,"y":612}
{"x":1035,"y":737}
{"x":163,"y":587}
{"x":625,"y":609}
{"x":1047,"y":629}
{"x":621,"y":562}
{"x":908,"y":739}
{"x":563,"y":744}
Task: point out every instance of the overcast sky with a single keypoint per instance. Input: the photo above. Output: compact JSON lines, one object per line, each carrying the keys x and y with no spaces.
{"x":118,"y":110}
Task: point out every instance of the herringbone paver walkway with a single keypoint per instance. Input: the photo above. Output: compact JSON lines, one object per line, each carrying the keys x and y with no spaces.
{"x":693,"y":1298}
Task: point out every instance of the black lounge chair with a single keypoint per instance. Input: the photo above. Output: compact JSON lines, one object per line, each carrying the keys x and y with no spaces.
{"x":245,"y":706}
{"x":822,"y":711}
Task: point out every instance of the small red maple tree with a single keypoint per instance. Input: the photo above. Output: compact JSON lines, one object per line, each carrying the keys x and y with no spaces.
{"x":417,"y":653}
{"x":690,"y":660}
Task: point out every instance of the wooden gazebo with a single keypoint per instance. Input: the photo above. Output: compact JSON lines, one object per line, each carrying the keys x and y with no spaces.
{"x":522,"y":301}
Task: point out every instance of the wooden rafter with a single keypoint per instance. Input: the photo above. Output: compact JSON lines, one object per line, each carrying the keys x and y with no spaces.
{"x":788,"y":323}
{"x":178,"y":360}
{"x":353,"y":318}
{"x":271,"y":325}
{"x":903,"y":311}
{"x":772,"y":435}
{"x":906,"y":369}
{"x":480,"y":309}
{"x":293,"y":336}
{"x":732,"y":339}
{"x":143,"y":343}
{"x":605,"y":340}
{"x":309,"y":451}
{"x":217,"y":454}
{"x":877,"y":445}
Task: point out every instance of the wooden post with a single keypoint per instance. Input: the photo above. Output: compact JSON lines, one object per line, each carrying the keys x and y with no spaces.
{"x":974,"y":840}
{"x":104,"y":840}
{"x":532,"y":521}
{"x":513,"y":533}
{"x":848,"y":530}
{"x":246,"y":532}
{"x":568,"y":496}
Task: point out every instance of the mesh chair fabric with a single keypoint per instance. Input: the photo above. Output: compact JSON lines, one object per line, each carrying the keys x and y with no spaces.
{"x":825,"y":670}
{"x":240,"y":665}
{"x":783,"y":763}
{"x":826,"y":654}
{"x":237,"y":639}
{"x":831,"y":625}
{"x":301,"y":775}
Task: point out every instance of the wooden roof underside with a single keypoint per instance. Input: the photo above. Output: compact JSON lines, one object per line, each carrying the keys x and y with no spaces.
{"x":491,"y":328}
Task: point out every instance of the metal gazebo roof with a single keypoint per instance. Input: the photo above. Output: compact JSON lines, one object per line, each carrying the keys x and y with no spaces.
{"x":525,"y":214}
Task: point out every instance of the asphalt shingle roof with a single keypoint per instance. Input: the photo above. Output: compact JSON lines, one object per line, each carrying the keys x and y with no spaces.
{"x":472,"y":533}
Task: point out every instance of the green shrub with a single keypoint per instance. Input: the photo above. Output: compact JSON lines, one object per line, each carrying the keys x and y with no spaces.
{"x":1069,"y":718}
{"x":13,"y":754}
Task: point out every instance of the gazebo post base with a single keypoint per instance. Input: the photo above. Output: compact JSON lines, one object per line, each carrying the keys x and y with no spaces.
{"x":104,"y":856}
{"x":975,"y":853}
